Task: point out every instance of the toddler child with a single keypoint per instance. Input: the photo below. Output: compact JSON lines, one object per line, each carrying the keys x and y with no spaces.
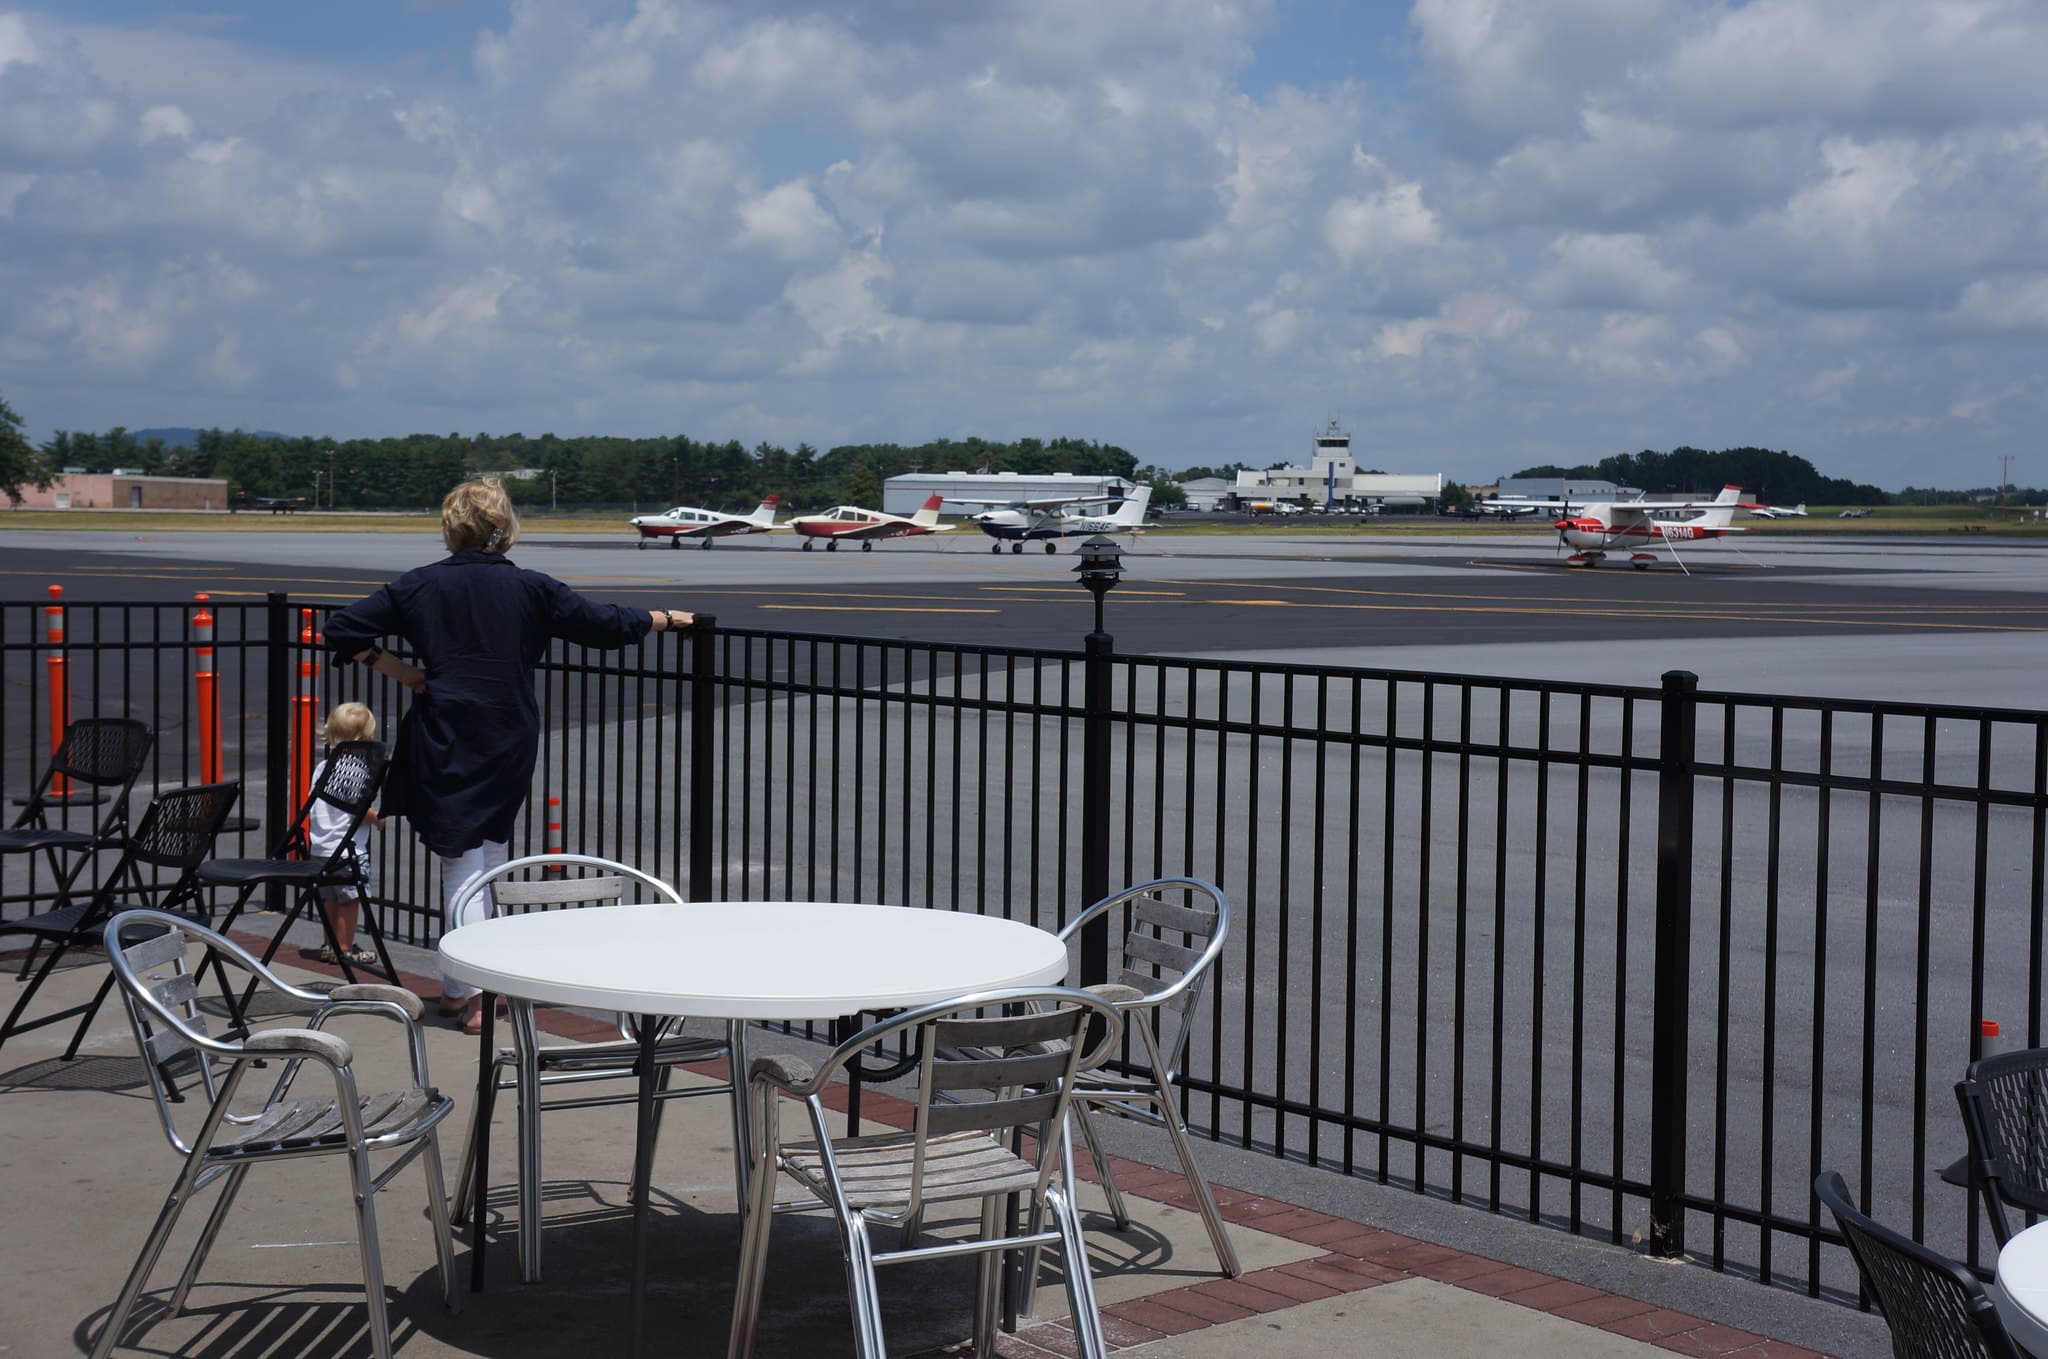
{"x":325,"y":826}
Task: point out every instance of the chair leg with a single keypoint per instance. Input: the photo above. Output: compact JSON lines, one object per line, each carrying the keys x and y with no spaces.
{"x":863,"y":1292}
{"x":373,"y":1262}
{"x":1080,"y":1279}
{"x":167,"y":1218}
{"x":742,"y":1112}
{"x":1103,"y":1174}
{"x":369,"y":916}
{"x":465,"y":1175}
{"x":35,"y":984}
{"x":437,"y":1216}
{"x":529,"y":1106}
{"x":214,"y":1219}
{"x":988,"y":1283}
{"x":746,"y":1302}
{"x":90,"y":1013}
{"x":1205,"y":1198}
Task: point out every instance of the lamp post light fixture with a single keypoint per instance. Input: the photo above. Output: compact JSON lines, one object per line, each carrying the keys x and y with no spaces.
{"x":1100,"y":568}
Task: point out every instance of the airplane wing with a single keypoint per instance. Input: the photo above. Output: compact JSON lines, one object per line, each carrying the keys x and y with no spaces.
{"x":1052,"y":503}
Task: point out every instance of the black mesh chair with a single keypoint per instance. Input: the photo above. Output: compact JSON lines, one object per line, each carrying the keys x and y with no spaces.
{"x":176,"y":833}
{"x":2005,"y":1111}
{"x":348,"y":784}
{"x":99,"y":752}
{"x":1935,"y":1307}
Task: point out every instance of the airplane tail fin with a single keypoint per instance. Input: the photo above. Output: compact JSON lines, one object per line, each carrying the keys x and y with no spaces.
{"x":1722,"y":513}
{"x":1800,"y":508}
{"x":1131,"y":514}
{"x":927,"y":515}
{"x":764,"y":513}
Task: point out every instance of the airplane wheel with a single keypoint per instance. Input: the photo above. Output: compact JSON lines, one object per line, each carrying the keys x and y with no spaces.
{"x":1051,"y":547}
{"x":675,"y":540}
{"x":1016,"y":548}
{"x":996,"y":548}
{"x":707,"y":543}
{"x":808,"y":545}
{"x":831,"y":544}
{"x":867,"y":547}
{"x":641,"y":545}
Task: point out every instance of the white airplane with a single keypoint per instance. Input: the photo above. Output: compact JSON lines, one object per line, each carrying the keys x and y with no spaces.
{"x":687,"y":521}
{"x":1779,"y":511}
{"x":1508,"y":509}
{"x":1048,"y":521}
{"x":1633,"y":523}
{"x":866,"y":526}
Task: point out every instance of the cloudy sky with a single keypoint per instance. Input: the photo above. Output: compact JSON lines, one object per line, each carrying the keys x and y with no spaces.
{"x":1483,"y":233}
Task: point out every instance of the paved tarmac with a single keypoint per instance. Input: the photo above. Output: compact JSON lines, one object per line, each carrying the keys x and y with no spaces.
{"x":1915,"y":619}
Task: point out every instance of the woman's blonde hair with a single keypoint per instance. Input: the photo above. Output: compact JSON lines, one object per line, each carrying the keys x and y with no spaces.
{"x":478,"y":514}
{"x":350,"y":722}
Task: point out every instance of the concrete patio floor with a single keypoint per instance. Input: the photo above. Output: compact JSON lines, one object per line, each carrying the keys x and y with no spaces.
{"x":84,"y":1167}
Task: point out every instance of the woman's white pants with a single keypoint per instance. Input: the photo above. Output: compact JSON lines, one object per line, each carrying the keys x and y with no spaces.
{"x":458,"y":873}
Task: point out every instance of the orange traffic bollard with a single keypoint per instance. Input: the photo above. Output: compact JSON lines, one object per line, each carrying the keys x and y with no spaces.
{"x":305,"y":720}
{"x":60,"y":684}
{"x":203,"y":690}
{"x":554,"y":842}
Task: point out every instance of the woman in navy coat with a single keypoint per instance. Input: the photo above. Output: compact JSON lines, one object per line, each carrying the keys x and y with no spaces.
{"x":467,"y":744}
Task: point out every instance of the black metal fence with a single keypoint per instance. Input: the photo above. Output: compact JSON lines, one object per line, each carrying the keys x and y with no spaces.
{"x":1635,"y":961}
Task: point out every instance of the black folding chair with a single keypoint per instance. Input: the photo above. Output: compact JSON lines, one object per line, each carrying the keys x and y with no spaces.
{"x":349,"y":783}
{"x":100,"y":752}
{"x":1935,"y":1307}
{"x":2005,"y":1111}
{"x":176,"y":832}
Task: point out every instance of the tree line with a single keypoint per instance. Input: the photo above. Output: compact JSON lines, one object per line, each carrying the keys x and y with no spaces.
{"x":416,"y":471}
{"x":1784,"y":478}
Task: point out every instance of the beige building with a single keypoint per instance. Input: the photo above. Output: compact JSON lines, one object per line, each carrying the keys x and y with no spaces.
{"x":119,"y":490}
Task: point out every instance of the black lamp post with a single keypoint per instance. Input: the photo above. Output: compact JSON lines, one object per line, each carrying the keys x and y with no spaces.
{"x":1099,"y":569}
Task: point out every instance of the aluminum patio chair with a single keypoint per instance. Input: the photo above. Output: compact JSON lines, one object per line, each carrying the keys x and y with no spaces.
{"x":2005,"y":1111}
{"x":1935,"y":1307}
{"x":99,"y":752}
{"x":1030,"y":1043}
{"x":151,"y":955}
{"x":531,"y":1069}
{"x":349,"y":782}
{"x":1167,"y":953}
{"x":177,"y":832}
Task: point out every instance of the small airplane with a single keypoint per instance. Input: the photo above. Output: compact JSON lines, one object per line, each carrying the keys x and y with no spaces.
{"x":707,"y":526}
{"x":866,"y":526}
{"x":1048,"y":521}
{"x":276,"y":504}
{"x":1507,"y":509}
{"x":1779,"y":511}
{"x":1597,"y":527}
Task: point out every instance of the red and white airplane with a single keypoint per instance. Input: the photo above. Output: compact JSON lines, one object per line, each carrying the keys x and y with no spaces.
{"x":1596,"y":528}
{"x":687,"y":521}
{"x":866,"y":526}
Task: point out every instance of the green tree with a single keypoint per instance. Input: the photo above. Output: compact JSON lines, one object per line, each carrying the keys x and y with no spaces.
{"x":19,"y":463}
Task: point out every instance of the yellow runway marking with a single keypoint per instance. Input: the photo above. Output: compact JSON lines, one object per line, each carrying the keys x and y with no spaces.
{"x":1694,"y":616}
{"x":868,"y":608}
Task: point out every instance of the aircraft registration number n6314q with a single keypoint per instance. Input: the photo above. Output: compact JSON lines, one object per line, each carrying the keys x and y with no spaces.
{"x":867,"y":527}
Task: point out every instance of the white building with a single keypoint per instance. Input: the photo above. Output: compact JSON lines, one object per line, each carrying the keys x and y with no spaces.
{"x":1207,"y":493}
{"x":1332,"y":479}
{"x":905,"y":494}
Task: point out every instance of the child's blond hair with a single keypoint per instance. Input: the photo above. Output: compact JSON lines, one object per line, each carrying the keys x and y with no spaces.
{"x":350,"y":722}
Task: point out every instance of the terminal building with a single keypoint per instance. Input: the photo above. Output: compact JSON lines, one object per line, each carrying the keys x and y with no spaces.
{"x":968,"y":492}
{"x":1332,"y":481}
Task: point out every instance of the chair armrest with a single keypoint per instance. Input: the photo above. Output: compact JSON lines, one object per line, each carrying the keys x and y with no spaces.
{"x":792,"y":1074}
{"x":1116,"y":993}
{"x":374,"y":991}
{"x":301,"y":1043}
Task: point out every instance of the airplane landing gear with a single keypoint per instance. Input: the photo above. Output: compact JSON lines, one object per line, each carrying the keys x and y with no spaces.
{"x":808,"y":544}
{"x":1016,"y":547}
{"x":996,"y":548}
{"x":831,"y":544}
{"x":1585,"y":559}
{"x":641,"y":545}
{"x":867,"y":547}
{"x":708,"y":541}
{"x":1051,"y":547}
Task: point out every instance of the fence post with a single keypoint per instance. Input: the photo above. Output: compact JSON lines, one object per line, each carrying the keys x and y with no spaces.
{"x":703,"y":707}
{"x":277,"y":728}
{"x":1098,"y":650}
{"x":1672,"y":985}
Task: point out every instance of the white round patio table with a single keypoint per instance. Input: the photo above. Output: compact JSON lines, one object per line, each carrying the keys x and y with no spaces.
{"x":739,"y":960}
{"x":2022,"y":1291}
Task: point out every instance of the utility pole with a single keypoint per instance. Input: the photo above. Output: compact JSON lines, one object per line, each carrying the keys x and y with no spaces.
{"x":2004,"y":479}
{"x":330,"y":480}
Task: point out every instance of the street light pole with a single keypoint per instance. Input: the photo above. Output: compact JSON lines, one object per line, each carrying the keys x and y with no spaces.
{"x":1099,"y":569}
{"x":551,"y":488}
